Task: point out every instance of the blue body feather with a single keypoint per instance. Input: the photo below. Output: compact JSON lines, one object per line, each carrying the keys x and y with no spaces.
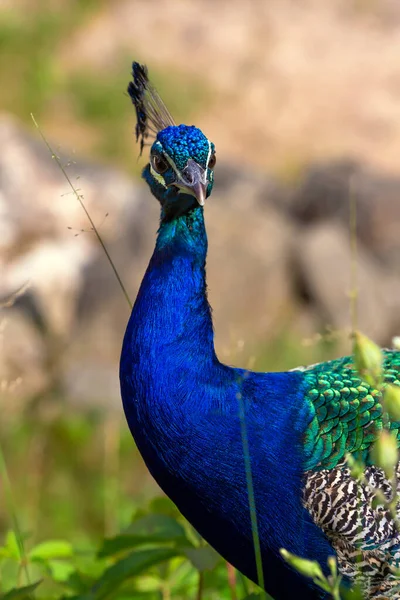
{"x":183,"y":409}
{"x":181,"y":405}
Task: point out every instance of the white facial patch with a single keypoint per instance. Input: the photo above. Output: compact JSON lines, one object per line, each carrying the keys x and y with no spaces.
{"x":209,"y":153}
{"x":157,"y":176}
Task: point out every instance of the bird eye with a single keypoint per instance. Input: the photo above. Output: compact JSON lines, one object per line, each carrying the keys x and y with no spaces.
{"x":159,"y":164}
{"x":212,"y":161}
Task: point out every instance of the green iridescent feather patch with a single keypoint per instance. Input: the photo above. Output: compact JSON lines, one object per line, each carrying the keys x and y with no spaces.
{"x":347,"y":411}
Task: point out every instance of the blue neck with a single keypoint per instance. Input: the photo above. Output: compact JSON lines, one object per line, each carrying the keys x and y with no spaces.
{"x":172,"y":300}
{"x":181,"y":404}
{"x":169,"y":342}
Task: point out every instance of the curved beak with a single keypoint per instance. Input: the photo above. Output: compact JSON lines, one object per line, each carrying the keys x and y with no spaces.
{"x":194,"y":181}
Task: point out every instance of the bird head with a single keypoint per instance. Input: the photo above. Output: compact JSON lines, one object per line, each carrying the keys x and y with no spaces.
{"x":181,"y":165}
{"x":180,"y":172}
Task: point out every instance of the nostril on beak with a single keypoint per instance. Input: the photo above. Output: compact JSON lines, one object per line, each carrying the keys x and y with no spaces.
{"x":193,"y":181}
{"x":189,"y":176}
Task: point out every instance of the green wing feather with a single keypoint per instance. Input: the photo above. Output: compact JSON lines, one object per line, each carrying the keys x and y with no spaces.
{"x":347,"y":412}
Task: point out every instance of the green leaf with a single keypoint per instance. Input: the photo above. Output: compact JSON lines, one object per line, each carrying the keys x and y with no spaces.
{"x":357,"y":467}
{"x":146,"y":530}
{"x":4,"y":552}
{"x":309,"y":568}
{"x":368,"y":359}
{"x":391,"y":401}
{"x":61,"y":570}
{"x":79,"y":583}
{"x":164,"y":506}
{"x":9,"y":571}
{"x":20,"y":593}
{"x":130,"y":566}
{"x":149,"y":583}
{"x":51,"y":549}
{"x":157,"y":526}
{"x":385,"y":453}
{"x":12,"y":545}
{"x":204,"y":558}
{"x":89,"y":565}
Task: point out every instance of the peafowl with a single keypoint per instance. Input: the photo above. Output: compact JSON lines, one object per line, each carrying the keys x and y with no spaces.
{"x":183,"y":406}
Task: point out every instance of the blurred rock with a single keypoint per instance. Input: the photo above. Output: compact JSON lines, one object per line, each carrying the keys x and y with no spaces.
{"x":324,"y":259}
{"x":22,"y":359}
{"x":249,"y":281}
{"x":47,"y":244}
{"x":326,"y":190}
{"x":46,"y":238}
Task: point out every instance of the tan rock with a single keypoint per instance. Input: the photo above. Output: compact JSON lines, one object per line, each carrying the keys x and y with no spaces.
{"x":323,"y":257}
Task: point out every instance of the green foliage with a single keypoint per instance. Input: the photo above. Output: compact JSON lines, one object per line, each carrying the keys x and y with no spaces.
{"x":74,"y":543}
{"x":28,"y":45}
{"x":156,"y":556}
{"x":391,"y":401}
{"x":368,"y":360}
{"x":21,"y":593}
{"x":310,"y":568}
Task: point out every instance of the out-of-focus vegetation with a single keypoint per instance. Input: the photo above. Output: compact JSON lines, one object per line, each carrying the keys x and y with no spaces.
{"x":157,"y":556}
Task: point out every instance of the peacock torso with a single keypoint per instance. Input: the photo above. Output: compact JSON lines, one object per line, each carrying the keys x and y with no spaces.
{"x":182,"y":406}
{"x":187,"y":411}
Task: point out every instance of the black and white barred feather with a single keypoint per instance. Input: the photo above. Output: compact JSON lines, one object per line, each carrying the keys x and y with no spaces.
{"x":362,"y":531}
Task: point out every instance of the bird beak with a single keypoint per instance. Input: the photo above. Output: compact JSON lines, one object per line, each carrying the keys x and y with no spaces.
{"x":194,"y":181}
{"x":199,"y":191}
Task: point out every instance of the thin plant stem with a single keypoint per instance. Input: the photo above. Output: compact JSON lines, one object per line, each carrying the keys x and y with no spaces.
{"x":200,"y":587}
{"x":231,"y":580}
{"x":250,"y":492}
{"x":79,"y":197}
{"x":111,"y":471}
{"x":36,"y":458}
{"x":166,"y":592}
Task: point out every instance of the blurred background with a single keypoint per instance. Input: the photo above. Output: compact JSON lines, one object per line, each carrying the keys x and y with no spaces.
{"x":302,"y":100}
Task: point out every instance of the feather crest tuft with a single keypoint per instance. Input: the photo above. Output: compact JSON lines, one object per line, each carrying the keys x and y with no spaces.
{"x":151,"y":113}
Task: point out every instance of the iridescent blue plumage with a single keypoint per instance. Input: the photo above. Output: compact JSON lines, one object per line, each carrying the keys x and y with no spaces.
{"x":182,"y":406}
{"x":183,"y":142}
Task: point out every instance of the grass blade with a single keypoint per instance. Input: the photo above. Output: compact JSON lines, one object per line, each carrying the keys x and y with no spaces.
{"x":79,"y":197}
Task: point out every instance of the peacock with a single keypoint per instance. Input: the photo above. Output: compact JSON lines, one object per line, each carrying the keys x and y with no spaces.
{"x":185,"y":408}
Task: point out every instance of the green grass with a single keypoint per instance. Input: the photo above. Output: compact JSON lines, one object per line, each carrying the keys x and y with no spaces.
{"x":60,"y":481}
{"x":28,"y":50}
